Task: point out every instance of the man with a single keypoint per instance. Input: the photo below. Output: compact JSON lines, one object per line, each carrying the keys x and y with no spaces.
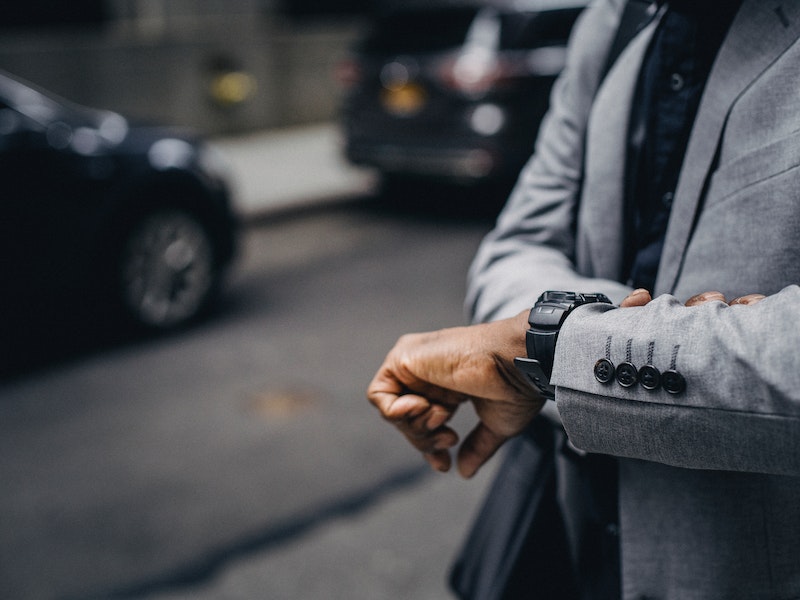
{"x":707,"y":438}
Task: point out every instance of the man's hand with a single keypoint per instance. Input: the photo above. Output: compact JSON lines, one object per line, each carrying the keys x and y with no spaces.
{"x":641,"y":297}
{"x":427,"y":376}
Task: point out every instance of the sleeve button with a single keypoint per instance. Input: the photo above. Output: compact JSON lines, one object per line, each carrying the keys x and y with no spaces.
{"x":673,"y":382}
{"x":627,"y":375}
{"x":649,"y":377}
{"x":604,"y":370}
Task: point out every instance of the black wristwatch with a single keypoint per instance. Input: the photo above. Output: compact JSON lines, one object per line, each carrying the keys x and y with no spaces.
{"x":545,"y":320}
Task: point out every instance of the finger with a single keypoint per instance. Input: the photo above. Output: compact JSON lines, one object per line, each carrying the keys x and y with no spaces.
{"x":428,"y":441}
{"x":419,"y":420}
{"x":419,"y":414}
{"x":396,"y":407}
{"x":705,"y":297}
{"x":748,"y":299}
{"x":638,"y":297}
{"x":435,"y":444}
{"x":408,"y":412}
{"x":383,"y":390}
{"x":387,"y":386}
{"x":479,"y":446}
{"x":424,"y":430}
{"x":437,"y":415}
{"x":439,"y":460}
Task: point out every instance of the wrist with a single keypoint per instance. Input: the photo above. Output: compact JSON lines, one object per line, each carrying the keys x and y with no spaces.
{"x":544,"y":324}
{"x":503,"y":342}
{"x":515,"y":335}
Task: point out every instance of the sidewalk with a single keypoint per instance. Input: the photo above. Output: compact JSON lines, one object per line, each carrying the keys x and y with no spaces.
{"x":278,"y":170}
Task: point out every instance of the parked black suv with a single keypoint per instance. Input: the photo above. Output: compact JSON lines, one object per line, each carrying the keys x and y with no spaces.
{"x":453,"y":90}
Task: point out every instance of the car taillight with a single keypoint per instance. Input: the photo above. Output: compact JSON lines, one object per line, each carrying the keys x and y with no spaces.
{"x":475,"y":73}
{"x":348,"y":72}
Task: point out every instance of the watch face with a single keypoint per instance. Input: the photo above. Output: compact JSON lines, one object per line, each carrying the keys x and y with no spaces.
{"x":558,"y":297}
{"x":546,"y":316}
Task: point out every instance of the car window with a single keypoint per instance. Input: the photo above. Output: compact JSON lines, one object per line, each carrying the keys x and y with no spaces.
{"x":419,"y":31}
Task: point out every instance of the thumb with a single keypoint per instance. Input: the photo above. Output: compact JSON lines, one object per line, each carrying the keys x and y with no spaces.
{"x":479,"y":446}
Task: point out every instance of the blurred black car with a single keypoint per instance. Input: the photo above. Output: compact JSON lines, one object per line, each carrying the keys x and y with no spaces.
{"x":102,"y":215}
{"x":453,"y":90}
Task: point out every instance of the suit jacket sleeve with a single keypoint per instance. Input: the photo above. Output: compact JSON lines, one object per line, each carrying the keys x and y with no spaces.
{"x":531,"y":249}
{"x":741,"y":407}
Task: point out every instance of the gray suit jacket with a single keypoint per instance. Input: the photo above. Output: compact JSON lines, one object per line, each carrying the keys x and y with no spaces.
{"x":709,"y":479}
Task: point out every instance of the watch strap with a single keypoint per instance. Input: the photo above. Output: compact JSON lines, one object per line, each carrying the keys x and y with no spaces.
{"x":541,"y":344}
{"x":533,"y":371}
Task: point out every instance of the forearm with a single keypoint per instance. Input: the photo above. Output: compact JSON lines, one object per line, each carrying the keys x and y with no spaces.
{"x":741,"y":406}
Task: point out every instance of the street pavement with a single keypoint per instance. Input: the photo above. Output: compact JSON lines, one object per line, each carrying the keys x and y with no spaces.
{"x":395,"y":541}
{"x":271,"y":175}
{"x":386,"y":552}
{"x":393,"y":533}
{"x":240,"y":459}
{"x":282,"y":170}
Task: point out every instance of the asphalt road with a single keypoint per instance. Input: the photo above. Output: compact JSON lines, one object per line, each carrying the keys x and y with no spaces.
{"x":239,"y":459}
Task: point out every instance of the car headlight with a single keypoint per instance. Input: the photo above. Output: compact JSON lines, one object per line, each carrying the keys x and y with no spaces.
{"x":170,"y":153}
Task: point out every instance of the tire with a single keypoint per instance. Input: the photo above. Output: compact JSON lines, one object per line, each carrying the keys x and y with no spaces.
{"x":166,"y":271}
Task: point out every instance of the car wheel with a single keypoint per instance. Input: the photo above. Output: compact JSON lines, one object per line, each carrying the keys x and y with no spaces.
{"x":166,"y":269}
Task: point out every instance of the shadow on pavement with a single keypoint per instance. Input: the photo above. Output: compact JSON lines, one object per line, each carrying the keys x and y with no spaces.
{"x":205,"y":567}
{"x":48,"y":336}
{"x":52,"y":336}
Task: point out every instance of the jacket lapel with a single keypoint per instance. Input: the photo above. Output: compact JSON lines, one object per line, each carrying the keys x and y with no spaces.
{"x":602,"y":216}
{"x":758,"y":35}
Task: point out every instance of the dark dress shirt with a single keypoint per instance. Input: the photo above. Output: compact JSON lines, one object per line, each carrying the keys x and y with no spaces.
{"x":673,"y":77}
{"x":670,"y":85}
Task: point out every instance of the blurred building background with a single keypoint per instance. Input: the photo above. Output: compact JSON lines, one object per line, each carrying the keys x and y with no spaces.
{"x":221,"y":66}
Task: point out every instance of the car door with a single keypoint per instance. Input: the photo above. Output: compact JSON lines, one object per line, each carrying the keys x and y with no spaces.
{"x":42,"y":231}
